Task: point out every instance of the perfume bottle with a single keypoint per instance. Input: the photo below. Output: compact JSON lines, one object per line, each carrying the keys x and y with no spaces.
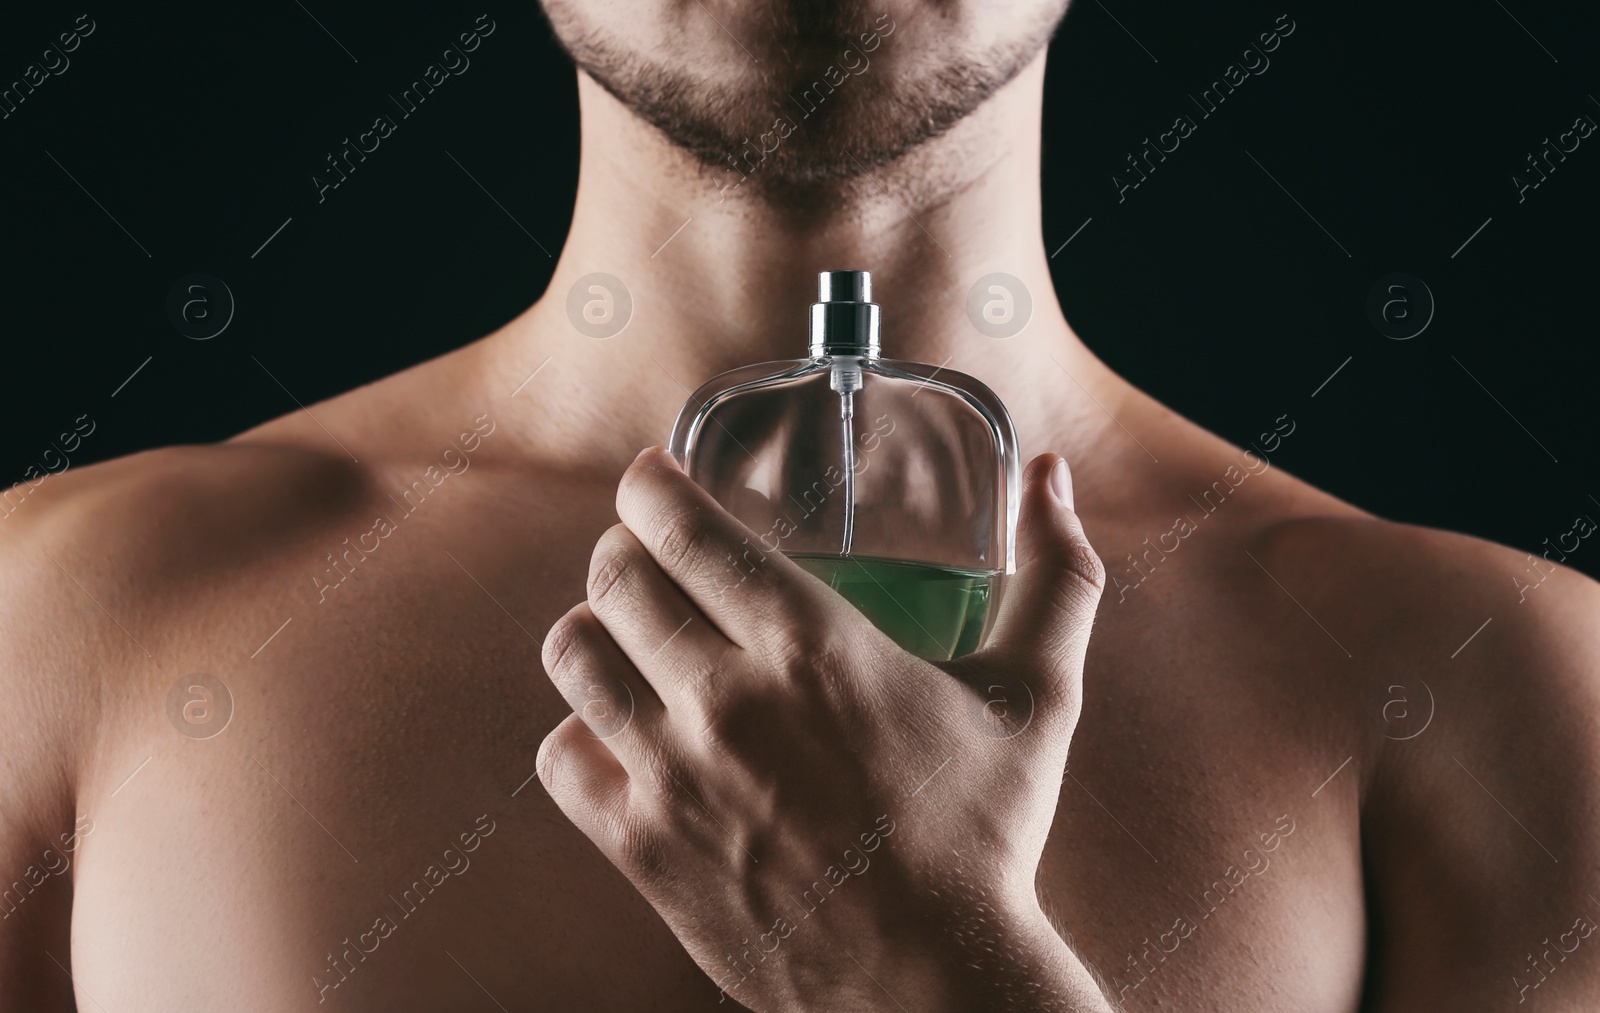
{"x":895,"y":483}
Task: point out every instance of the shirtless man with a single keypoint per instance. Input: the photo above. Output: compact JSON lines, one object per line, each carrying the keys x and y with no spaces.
{"x":1296,"y":783}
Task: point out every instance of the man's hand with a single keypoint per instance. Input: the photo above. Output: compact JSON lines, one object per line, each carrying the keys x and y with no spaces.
{"x":823,"y":820}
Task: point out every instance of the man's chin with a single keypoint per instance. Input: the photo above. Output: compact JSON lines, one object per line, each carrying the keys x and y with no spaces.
{"x":785,"y":143}
{"x":796,"y":129}
{"x":783,"y":138}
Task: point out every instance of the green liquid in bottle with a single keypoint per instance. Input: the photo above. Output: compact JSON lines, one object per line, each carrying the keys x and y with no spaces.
{"x":934,"y":612}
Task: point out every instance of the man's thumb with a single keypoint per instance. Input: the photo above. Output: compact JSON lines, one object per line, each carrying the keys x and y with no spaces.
{"x":1048,"y":609}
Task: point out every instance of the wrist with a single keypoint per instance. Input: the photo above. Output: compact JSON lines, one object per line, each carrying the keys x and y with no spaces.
{"x":979,"y":955}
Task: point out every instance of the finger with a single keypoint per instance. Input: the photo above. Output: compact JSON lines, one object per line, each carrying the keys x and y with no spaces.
{"x":614,"y":703}
{"x":751,"y":595}
{"x":584,"y":778}
{"x":668,"y":640}
{"x":1048,"y":609}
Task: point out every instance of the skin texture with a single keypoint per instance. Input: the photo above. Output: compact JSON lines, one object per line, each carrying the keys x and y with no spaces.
{"x":853,"y":97}
{"x":1236,"y":763}
{"x":773,"y":708}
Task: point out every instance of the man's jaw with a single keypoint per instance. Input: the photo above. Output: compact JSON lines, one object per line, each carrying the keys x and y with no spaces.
{"x":965,"y":200}
{"x":844,"y":95}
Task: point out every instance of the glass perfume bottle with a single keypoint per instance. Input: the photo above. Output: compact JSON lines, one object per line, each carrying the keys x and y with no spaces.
{"x":893,"y":482}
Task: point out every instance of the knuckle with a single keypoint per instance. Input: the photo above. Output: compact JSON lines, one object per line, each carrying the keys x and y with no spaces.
{"x":611,"y":567}
{"x":802,"y":650}
{"x":641,"y":850}
{"x":555,"y":753}
{"x":1060,"y":701}
{"x":820,"y":676}
{"x":1087,"y":564}
{"x":1085,"y":572}
{"x":678,"y":536}
{"x":663,"y":779}
{"x":831,"y":669}
{"x":831,"y":695}
{"x":675,"y":791}
{"x":609,"y":574}
{"x":562,"y":645}
{"x":716,"y":738}
{"x":548,"y":760}
{"x":559,"y":644}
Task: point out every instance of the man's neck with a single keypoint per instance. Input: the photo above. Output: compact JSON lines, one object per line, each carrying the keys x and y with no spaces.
{"x":720,"y":278}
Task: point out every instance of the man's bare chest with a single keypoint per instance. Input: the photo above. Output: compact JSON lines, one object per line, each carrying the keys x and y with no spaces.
{"x":1206,"y":850}
{"x":338,"y":824}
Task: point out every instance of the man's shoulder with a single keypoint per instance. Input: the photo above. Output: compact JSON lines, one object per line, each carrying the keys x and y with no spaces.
{"x":158,"y":512}
{"x":1413,"y":588}
{"x":98,"y":564}
{"x":160,"y":555}
{"x":1361,"y":598}
{"x":1463,"y":658}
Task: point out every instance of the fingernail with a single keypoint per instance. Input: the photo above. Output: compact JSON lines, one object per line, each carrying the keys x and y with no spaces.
{"x":1061,"y":483}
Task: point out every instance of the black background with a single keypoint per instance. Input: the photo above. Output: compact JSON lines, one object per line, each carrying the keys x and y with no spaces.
{"x":1398,"y":128}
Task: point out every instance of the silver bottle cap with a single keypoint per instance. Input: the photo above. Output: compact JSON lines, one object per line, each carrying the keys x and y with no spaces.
{"x":844,"y":319}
